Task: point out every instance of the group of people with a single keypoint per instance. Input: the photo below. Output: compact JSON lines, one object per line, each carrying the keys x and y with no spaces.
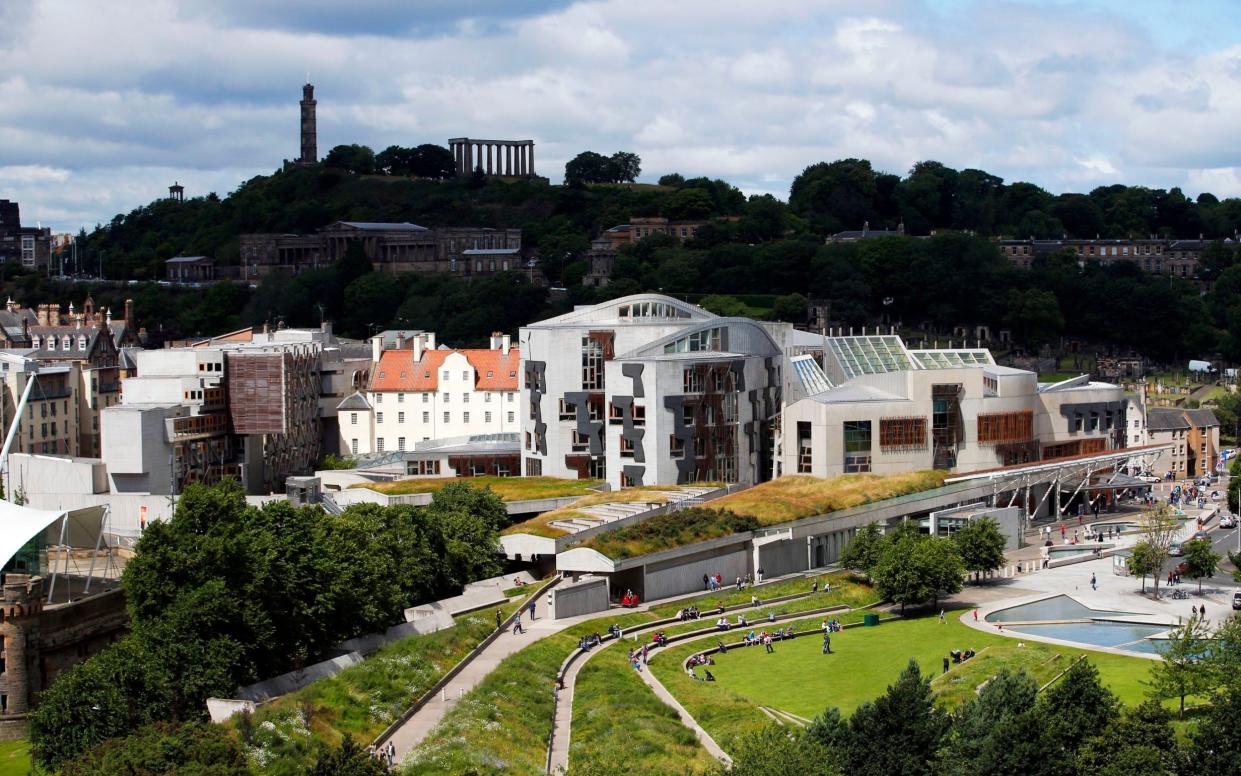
{"x":700,"y":660}
{"x":712,"y":581}
{"x":659,"y":638}
{"x":629,"y":599}
{"x":586,"y":643}
{"x":832,"y":626}
{"x":386,"y":754}
{"x":959,"y":656}
{"x":688,"y":613}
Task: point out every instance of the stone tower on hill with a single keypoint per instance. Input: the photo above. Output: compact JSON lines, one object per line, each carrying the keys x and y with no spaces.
{"x":310,"y":143}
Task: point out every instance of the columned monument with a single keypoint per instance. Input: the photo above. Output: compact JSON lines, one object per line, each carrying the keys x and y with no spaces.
{"x":310,"y":142}
{"x":504,"y":158}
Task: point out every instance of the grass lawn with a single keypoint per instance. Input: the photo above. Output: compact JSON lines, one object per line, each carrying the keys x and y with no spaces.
{"x":15,"y":758}
{"x":507,"y":488}
{"x":797,"y":496}
{"x":801,"y":680}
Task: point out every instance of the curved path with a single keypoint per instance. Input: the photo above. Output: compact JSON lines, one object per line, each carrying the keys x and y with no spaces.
{"x":558,"y":756}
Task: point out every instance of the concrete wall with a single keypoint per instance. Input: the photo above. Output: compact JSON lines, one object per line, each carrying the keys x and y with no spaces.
{"x":783,"y":557}
{"x":584,"y":597}
{"x":40,"y":474}
{"x":684,"y":575}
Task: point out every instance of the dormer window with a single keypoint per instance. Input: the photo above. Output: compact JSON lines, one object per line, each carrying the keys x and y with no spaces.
{"x":36,"y":342}
{"x":51,"y":343}
{"x":67,"y":343}
{"x":82,"y":343}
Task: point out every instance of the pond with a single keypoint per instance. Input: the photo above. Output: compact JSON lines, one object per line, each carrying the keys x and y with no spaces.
{"x":1060,"y":607}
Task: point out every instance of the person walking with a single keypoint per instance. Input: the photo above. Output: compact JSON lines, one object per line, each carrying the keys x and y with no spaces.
{"x":975,"y":615}
{"x":945,"y":664}
{"x":530,"y":606}
{"x":767,"y":643}
{"x":1094,"y":583}
{"x":517,"y":627}
{"x":827,"y":643}
{"x":391,"y":752}
{"x":499,"y":619}
{"x":942,"y":621}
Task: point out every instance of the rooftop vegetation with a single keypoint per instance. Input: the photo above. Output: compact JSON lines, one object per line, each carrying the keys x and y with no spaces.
{"x":541,"y":525}
{"x":507,"y":488}
{"x":797,"y":496}
{"x":674,"y":529}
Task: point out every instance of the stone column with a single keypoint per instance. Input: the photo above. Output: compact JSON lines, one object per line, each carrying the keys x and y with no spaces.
{"x":530,"y":151}
{"x":469,"y":158}
{"x":508,"y":159}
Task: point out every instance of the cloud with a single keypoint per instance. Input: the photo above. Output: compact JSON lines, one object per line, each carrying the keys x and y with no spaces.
{"x":105,"y":105}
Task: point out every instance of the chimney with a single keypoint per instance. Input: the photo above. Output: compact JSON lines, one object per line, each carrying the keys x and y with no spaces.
{"x":495,"y":341}
{"x":266,"y":329}
{"x":400,"y":340}
{"x":325,"y":326}
{"x":418,"y":346}
{"x":25,"y":328}
{"x":430,"y":340}
{"x":506,"y":344}
{"x":377,"y":348}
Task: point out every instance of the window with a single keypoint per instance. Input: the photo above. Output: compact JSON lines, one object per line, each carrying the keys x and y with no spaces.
{"x":510,"y":417}
{"x":446,"y":397}
{"x":400,"y":417}
{"x":353,"y":418}
{"x":82,"y":343}
{"x":426,"y":397}
{"x":592,"y":364}
{"x":465,"y":417}
{"x":445,"y":375}
{"x":676,"y":447}
{"x":353,"y":446}
{"x":426,"y":417}
{"x":1094,"y":421}
{"x":445,"y":417}
{"x":465,"y":376}
{"x":486,"y":417}
{"x":486,"y":398}
{"x":626,"y":447}
{"x":691,"y":381}
{"x":379,"y":417}
{"x":400,"y":444}
{"x":422,"y":468}
{"x":639,"y":415}
{"x":511,"y":395}
{"x":857,"y":445}
{"x":1077,"y":421}
{"x":51,"y":343}
{"x":615,"y":414}
{"x":579,"y":443}
{"x":568,"y":410}
{"x":465,"y":398}
{"x":379,"y":397}
{"x":379,"y":445}
{"x":400,"y":398}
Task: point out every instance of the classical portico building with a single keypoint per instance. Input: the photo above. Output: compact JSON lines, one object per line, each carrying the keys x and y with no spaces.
{"x":511,"y":158}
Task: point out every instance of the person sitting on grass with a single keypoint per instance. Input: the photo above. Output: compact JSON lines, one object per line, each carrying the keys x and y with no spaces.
{"x":721,"y":624}
{"x":709,"y":675}
{"x":723,"y":648}
{"x":788,"y":632}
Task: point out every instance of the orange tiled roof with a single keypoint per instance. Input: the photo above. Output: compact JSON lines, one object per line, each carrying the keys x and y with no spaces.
{"x":397,"y":370}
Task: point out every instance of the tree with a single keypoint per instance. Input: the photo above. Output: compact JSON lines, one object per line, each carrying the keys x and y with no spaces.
{"x":1142,"y":730}
{"x":1183,"y":670}
{"x":996,"y":732}
{"x":791,"y":308}
{"x":1034,"y":317}
{"x":354,"y":159}
{"x":672,"y":179}
{"x":1076,"y":708}
{"x":834,"y":196}
{"x":899,"y":732}
{"x":1159,"y":528}
{"x":625,"y":167}
{"x":913,"y":568}
{"x":863,"y":552}
{"x":980,"y":545}
{"x":1213,"y":745}
{"x":1201,"y":560}
{"x":776,"y":751}
{"x":349,"y":759}
{"x":165,"y":749}
{"x":1144,"y":560}
{"x":689,"y":205}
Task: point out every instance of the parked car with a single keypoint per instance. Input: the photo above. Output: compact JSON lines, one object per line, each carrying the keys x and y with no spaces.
{"x":1201,"y":536}
{"x":1149,"y":478}
{"x":1227,"y":521}
{"x":1176,"y":550}
{"x":1236,"y":600}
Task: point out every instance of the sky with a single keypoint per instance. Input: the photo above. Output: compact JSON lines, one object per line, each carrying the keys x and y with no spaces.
{"x":104,"y":104}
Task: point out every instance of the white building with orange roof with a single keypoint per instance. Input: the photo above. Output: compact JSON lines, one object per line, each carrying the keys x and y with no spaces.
{"x":419,"y":392}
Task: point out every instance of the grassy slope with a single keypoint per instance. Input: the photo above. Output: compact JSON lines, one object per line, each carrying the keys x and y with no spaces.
{"x":507,"y":488}
{"x":540,"y":524}
{"x":796,"y":496}
{"x":502,"y":725}
{"x":14,"y":758}
{"x":801,"y":680}
{"x":363,"y":699}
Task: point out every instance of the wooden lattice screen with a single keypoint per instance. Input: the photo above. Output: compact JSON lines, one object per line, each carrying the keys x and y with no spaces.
{"x":999,"y":427}
{"x":896,"y":433}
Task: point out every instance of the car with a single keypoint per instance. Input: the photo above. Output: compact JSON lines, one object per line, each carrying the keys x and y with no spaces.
{"x":1227,"y":521}
{"x":1236,"y":600}
{"x":1176,"y":550}
{"x":1201,"y":536}
{"x":1148,"y":478}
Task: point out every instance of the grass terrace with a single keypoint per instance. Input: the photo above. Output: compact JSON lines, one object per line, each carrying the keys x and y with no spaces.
{"x":286,"y":734}
{"x":541,"y":525}
{"x":663,"y":532}
{"x":507,"y":488}
{"x":797,"y":496}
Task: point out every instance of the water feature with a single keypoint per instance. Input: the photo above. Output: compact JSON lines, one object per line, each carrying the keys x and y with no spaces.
{"x":1100,"y":633}
{"x":1060,"y":607}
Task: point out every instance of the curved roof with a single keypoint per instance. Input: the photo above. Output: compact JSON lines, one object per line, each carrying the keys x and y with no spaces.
{"x":758,"y":336}
{"x":635,"y":308}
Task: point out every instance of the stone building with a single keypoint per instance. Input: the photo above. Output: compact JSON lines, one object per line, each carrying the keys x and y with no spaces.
{"x":391,"y":247}
{"x":496,"y":158}
{"x":40,"y":640}
{"x":29,"y":245}
{"x":605,"y":248}
{"x":1155,"y":254}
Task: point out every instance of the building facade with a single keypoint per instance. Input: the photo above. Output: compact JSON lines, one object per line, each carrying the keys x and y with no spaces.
{"x":391,"y":247}
{"x":498,"y":158}
{"x":31,"y":246}
{"x":870,"y":404}
{"x":648,"y":389}
{"x":1161,"y":256}
{"x":420,"y":393}
{"x":1194,"y":435}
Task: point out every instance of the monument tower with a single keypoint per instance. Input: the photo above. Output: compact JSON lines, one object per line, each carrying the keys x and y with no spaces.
{"x":310,"y":150}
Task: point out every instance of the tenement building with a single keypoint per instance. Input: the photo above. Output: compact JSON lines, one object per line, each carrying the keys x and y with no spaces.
{"x":1158,"y":255}
{"x":647,"y":389}
{"x":31,"y":246}
{"x":391,"y":247}
{"x":870,"y":404}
